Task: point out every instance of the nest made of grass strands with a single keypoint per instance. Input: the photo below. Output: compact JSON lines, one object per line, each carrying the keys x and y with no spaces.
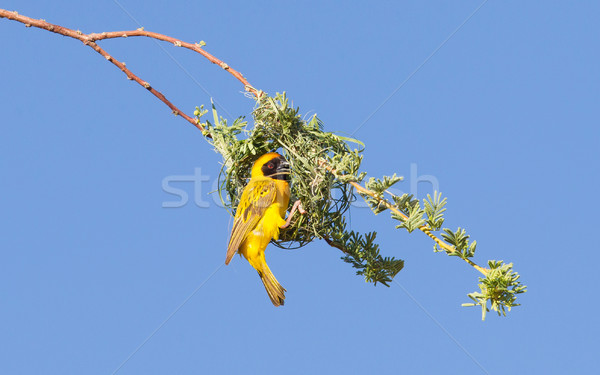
{"x":322,"y":165}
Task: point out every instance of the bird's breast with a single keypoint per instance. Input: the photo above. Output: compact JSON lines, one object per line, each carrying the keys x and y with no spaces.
{"x":283,"y":196}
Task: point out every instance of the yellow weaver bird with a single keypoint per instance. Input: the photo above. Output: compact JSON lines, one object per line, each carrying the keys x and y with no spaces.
{"x":259,"y":216}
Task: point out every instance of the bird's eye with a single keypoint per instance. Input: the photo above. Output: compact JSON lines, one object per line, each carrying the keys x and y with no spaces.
{"x":270,"y":166}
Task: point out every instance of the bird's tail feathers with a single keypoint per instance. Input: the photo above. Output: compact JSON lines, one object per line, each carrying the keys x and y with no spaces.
{"x":274,"y":289}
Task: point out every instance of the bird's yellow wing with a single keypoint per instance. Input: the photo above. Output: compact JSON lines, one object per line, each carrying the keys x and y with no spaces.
{"x":258,"y":195}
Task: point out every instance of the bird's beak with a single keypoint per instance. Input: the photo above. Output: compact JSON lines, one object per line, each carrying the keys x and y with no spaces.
{"x":284,"y":169}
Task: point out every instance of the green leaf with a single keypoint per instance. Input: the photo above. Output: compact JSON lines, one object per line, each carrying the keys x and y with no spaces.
{"x":434,"y":209}
{"x":415,"y":218}
{"x":499,"y":287}
{"x":363,"y":254}
{"x":460,"y":241}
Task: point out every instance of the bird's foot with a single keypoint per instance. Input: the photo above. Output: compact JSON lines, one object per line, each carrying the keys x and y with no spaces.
{"x":296,"y":207}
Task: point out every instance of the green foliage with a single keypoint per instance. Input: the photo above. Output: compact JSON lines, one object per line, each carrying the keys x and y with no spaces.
{"x":405,"y":202}
{"x":363,"y":254}
{"x":323,"y":164}
{"x":415,"y":218}
{"x":434,"y":209}
{"x":500,"y":287}
{"x":379,"y":187}
{"x":324,"y":167}
{"x":460,"y":241}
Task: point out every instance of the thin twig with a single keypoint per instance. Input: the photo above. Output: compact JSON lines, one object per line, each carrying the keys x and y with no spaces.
{"x":196,"y":47}
{"x":90,"y":41}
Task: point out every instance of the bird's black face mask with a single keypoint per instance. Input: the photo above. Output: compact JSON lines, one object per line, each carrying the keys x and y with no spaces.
{"x":277,"y":168}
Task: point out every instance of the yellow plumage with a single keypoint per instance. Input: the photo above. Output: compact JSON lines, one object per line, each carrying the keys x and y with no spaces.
{"x":259,"y":216}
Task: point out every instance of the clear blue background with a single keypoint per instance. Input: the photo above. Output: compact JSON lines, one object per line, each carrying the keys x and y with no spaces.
{"x":505,"y":116}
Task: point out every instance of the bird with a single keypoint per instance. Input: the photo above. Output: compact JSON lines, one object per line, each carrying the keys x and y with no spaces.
{"x":259,"y":216}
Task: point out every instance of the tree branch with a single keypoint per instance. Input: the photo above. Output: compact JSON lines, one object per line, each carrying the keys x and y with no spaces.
{"x":196,"y":47}
{"x":90,"y":41}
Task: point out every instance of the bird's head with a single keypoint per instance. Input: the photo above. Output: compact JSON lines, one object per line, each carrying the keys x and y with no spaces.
{"x":272,"y":165}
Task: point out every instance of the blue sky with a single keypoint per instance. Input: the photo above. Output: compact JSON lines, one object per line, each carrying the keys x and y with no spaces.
{"x":504,"y":116}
